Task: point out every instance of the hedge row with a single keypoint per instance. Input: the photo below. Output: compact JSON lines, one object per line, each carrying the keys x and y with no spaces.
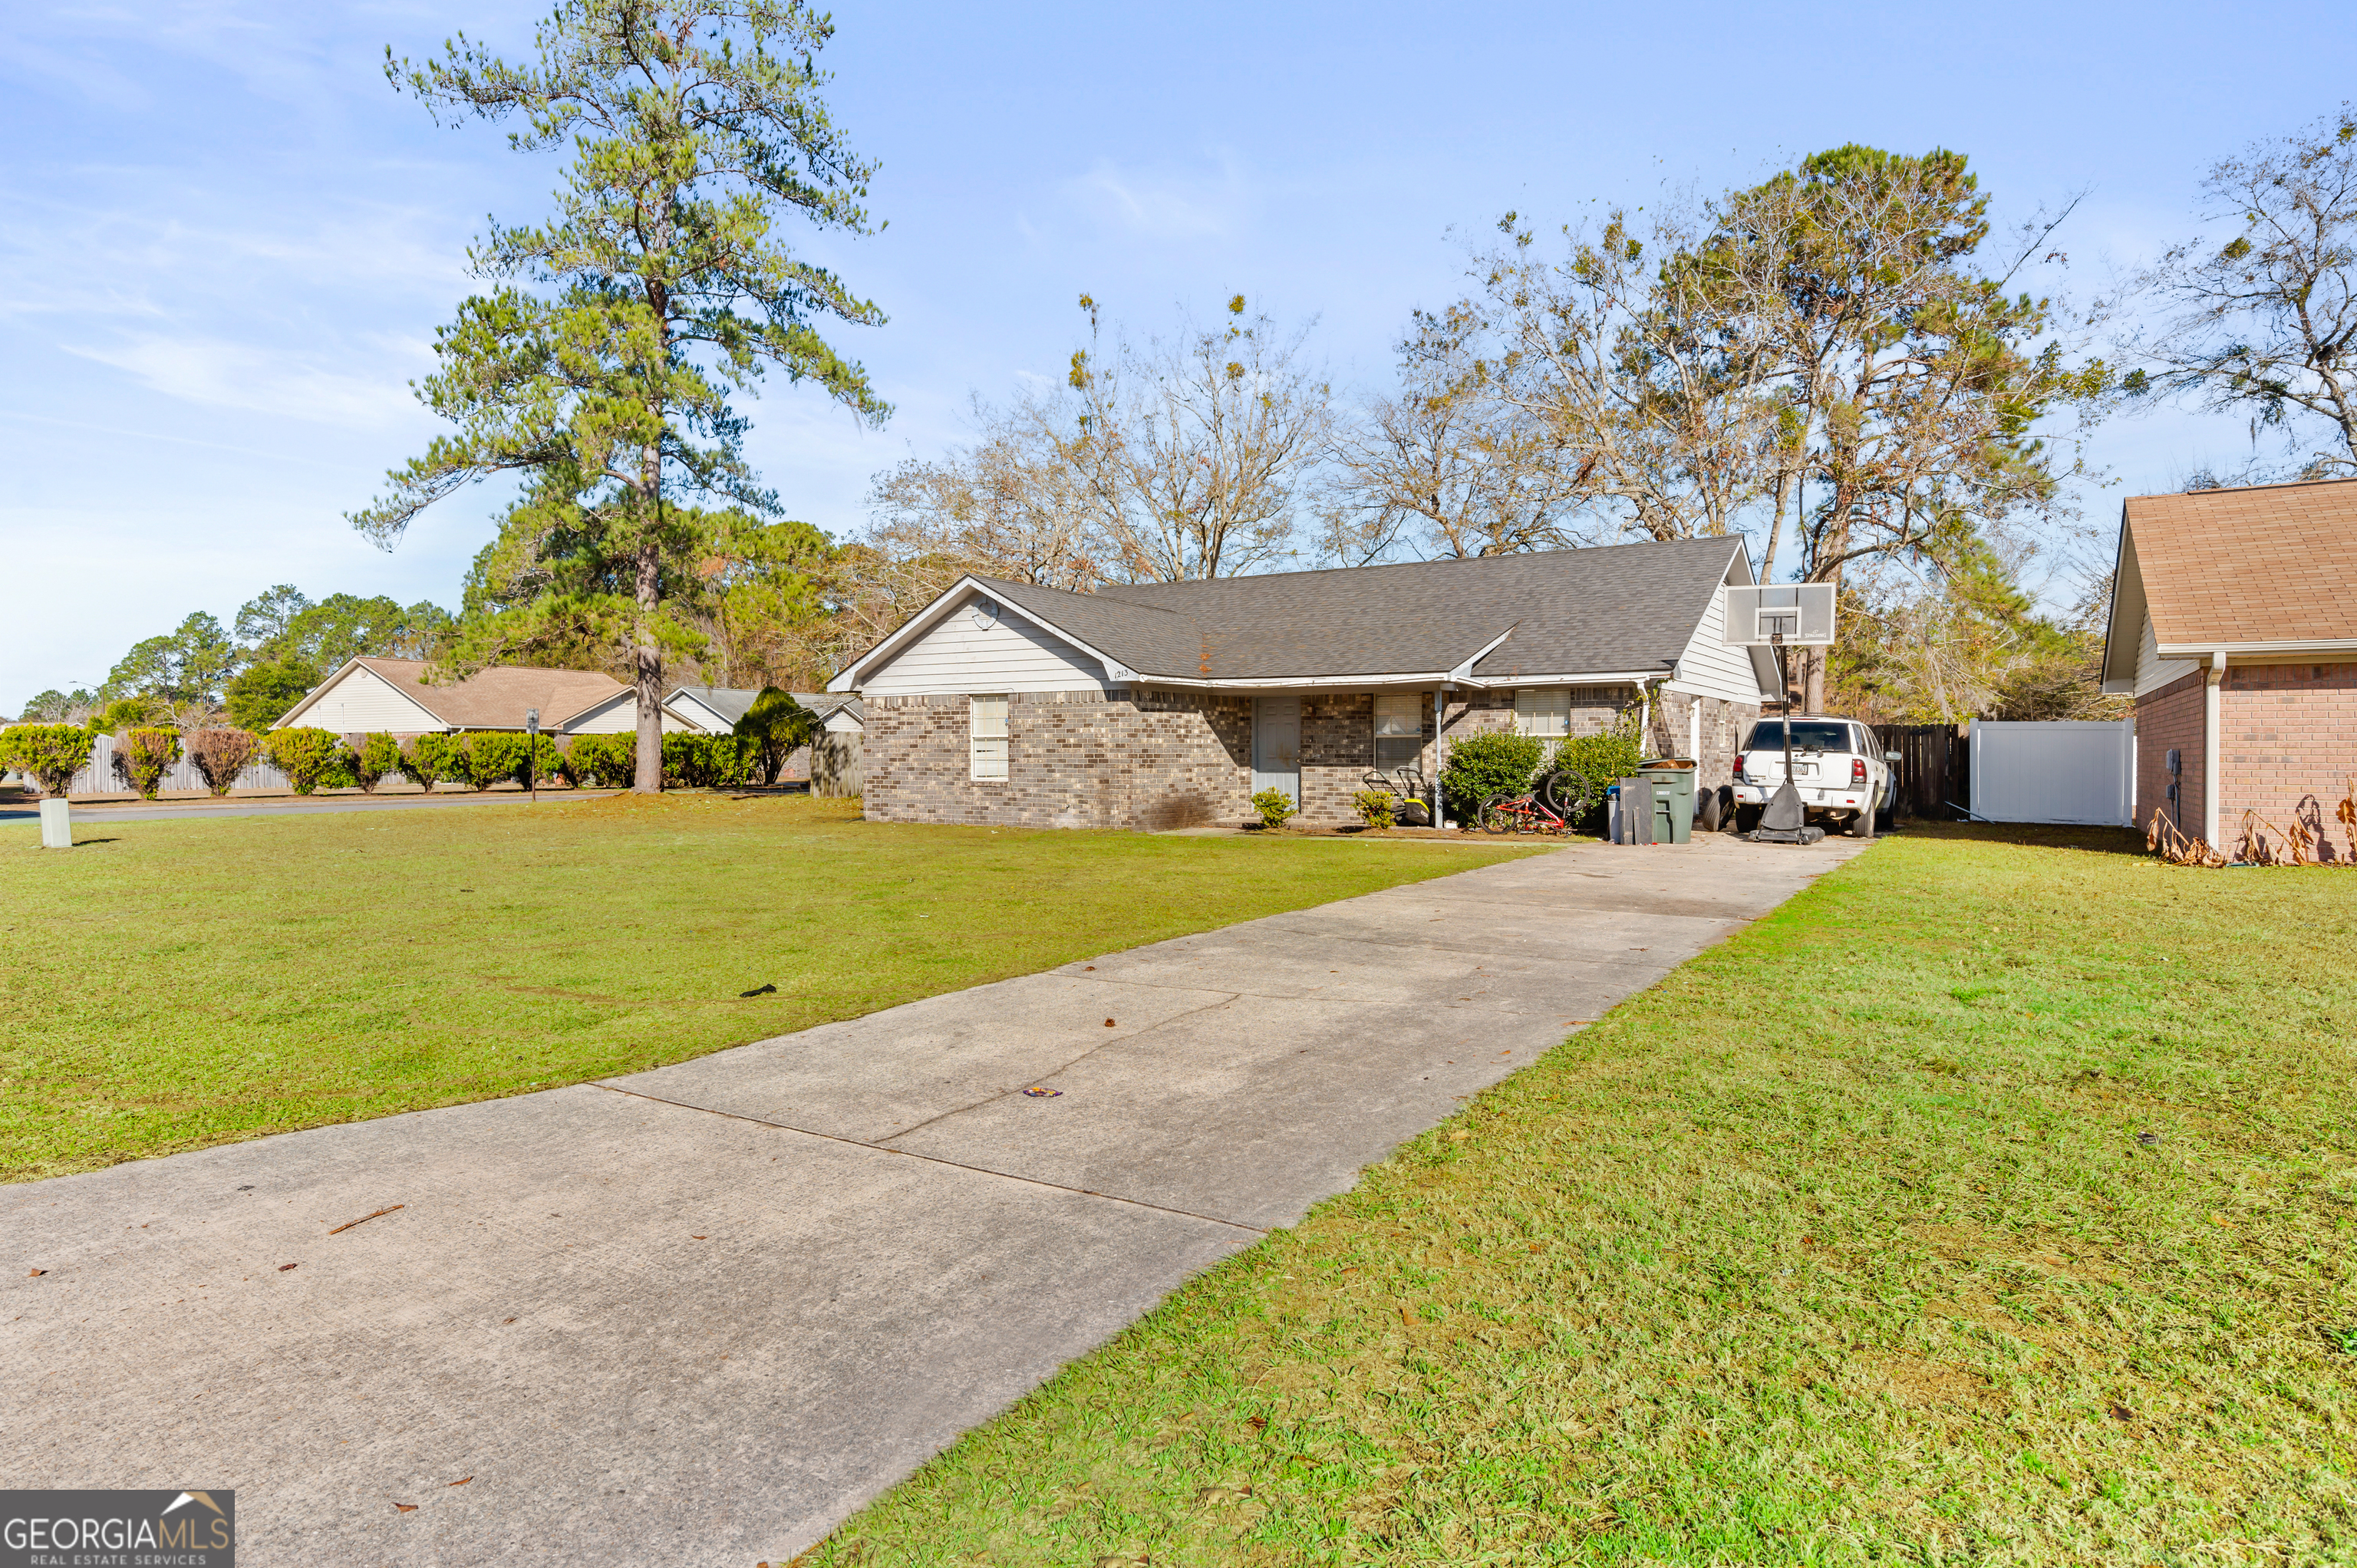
{"x":316,"y":758}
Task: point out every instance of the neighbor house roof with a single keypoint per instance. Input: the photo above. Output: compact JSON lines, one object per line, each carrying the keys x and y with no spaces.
{"x":824,"y":705}
{"x":1618,"y":610}
{"x":2255,"y":569}
{"x":726,"y":704}
{"x":730,"y":703}
{"x":496,"y":698}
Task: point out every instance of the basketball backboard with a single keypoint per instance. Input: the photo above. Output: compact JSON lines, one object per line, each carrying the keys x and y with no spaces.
{"x":1759,"y":614}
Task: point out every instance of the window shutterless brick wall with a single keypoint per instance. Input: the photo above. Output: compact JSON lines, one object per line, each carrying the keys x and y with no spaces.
{"x":1074,"y":760}
{"x":2171,"y":717}
{"x":2285,"y":731}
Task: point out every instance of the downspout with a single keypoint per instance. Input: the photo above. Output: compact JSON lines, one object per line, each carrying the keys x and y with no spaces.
{"x":2211,"y":680}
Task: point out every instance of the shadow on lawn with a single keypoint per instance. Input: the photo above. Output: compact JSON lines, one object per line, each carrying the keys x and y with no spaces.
{"x":2040,"y":835}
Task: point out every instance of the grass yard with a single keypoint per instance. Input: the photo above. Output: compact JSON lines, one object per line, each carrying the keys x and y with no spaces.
{"x":1990,"y":1203}
{"x":171,"y":984}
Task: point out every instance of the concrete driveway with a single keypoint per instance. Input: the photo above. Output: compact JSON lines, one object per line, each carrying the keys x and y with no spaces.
{"x":700,"y":1314}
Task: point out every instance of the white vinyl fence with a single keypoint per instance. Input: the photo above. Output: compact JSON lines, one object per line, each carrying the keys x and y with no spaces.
{"x":99,"y":776}
{"x":2065,"y":771}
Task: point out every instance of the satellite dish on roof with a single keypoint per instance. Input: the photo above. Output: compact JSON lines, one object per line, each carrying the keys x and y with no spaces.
{"x":1762,"y":615}
{"x":984,"y":615}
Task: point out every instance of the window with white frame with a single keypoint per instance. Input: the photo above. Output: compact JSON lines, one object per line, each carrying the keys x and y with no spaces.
{"x":986,"y":736}
{"x":1399,"y":729}
{"x":1544,"y":712}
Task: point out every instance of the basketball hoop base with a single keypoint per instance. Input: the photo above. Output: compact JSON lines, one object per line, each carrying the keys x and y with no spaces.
{"x":1783,"y":820}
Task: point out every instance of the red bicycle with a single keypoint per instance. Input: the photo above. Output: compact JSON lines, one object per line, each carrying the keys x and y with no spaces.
{"x":1556,"y":806}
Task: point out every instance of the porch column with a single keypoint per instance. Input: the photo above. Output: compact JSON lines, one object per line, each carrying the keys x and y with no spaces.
{"x":1440,"y":718}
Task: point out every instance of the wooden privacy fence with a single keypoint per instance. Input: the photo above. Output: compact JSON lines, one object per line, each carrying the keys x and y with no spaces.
{"x":1934,"y":769}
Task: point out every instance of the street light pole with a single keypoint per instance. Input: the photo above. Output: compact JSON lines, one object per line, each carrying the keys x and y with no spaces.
{"x":532,"y":753}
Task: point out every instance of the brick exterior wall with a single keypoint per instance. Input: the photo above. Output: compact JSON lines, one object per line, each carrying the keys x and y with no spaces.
{"x":2285,"y":731}
{"x":1149,"y":760}
{"x":2171,"y":717}
{"x":1724,"y":727}
{"x":1075,"y":759}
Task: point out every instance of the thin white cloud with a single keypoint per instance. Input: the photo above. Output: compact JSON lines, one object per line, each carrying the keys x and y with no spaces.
{"x":1164,"y":205}
{"x":217,"y":373}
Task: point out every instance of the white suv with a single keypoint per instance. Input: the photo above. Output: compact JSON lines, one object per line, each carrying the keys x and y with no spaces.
{"x":1842,"y":772}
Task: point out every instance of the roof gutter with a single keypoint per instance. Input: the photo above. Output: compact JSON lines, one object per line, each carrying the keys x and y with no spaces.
{"x":2294,"y":650}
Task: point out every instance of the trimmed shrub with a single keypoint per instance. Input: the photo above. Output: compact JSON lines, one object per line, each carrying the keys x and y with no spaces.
{"x":51,"y":754}
{"x":307,"y":757}
{"x":548,"y":764}
{"x":1589,"y":764}
{"x":492,"y":757}
{"x":143,"y":757}
{"x":1375,"y":807}
{"x":602,"y":761}
{"x":706,"y":761}
{"x":430,"y":759}
{"x":220,"y":754}
{"x":376,"y":757}
{"x":1481,"y":766}
{"x":1274,"y":806}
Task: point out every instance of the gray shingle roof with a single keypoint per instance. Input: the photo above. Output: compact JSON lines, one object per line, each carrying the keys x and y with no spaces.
{"x":728,"y":702}
{"x":732,"y":702}
{"x":1623,"y":607}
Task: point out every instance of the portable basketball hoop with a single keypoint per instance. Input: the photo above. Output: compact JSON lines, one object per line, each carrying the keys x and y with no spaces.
{"x":1782,"y":615}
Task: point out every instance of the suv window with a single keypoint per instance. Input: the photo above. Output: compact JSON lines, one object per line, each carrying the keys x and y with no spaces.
{"x":1808,"y":735}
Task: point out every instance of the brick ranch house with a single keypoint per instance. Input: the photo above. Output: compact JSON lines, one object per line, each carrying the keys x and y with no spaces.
{"x":2233,"y":622}
{"x":1167,"y":704}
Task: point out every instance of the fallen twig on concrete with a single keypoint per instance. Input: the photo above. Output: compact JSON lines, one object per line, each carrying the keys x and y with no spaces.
{"x":365,"y":1219}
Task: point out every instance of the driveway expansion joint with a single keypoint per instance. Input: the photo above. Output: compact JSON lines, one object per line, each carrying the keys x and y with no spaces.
{"x":935,"y":1159}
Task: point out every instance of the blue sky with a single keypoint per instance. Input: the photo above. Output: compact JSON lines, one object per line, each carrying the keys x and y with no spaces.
{"x":229,"y":240}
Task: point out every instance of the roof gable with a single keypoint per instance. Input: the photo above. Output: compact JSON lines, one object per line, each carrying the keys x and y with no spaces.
{"x":2264,"y":564}
{"x":383,"y":706}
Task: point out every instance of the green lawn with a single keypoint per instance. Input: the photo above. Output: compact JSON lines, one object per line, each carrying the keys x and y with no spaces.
{"x":1990,"y":1203}
{"x":171,"y":984}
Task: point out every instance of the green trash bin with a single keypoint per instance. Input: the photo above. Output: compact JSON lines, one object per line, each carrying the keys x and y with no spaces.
{"x":1672,"y":778}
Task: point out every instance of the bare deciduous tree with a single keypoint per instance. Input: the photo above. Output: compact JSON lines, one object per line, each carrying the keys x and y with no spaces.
{"x":1447,"y":466}
{"x":2267,"y":322}
{"x":1650,"y":374}
{"x":1195,"y":450}
{"x":1013,"y":505}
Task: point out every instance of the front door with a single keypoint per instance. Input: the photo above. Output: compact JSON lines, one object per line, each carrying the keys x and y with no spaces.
{"x":1276,"y":746}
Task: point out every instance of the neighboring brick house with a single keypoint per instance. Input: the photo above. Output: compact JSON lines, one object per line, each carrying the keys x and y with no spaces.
{"x":2233,"y":622}
{"x":1169,"y":704}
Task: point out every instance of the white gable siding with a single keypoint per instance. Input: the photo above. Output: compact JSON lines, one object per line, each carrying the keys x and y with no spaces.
{"x":695,"y":711}
{"x":1011,"y":654}
{"x":1709,"y":667}
{"x":2152,"y":671}
{"x":364,"y":701}
{"x":618,"y":714}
